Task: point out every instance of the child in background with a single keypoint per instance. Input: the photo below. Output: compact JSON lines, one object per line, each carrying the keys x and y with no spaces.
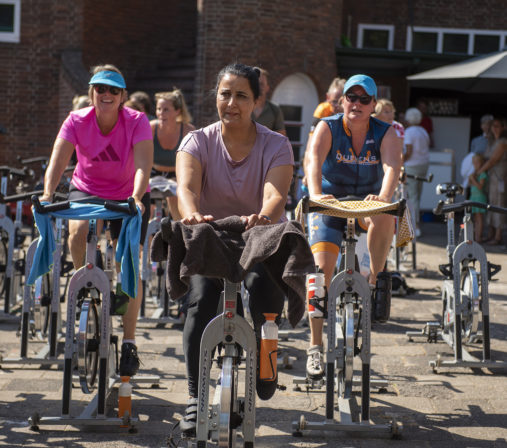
{"x":478,"y":193}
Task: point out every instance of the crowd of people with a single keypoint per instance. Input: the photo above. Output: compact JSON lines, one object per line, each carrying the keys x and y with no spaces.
{"x":243,"y":165}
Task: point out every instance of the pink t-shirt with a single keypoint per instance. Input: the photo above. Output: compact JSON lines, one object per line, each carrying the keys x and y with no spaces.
{"x":229,"y":187}
{"x":105,"y":163}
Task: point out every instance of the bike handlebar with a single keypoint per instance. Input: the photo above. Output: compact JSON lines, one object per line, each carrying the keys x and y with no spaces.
{"x":398,"y":211}
{"x":23,"y":172}
{"x":114,"y":206}
{"x":443,"y":208}
{"x":404,"y":175}
{"x":31,"y":160}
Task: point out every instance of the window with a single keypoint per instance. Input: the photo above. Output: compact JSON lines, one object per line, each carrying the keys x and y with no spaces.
{"x":424,"y":42}
{"x":375,"y":36}
{"x":486,"y":44}
{"x":10,"y":20}
{"x":455,"y":43}
{"x":293,"y":125}
{"x":453,"y":40}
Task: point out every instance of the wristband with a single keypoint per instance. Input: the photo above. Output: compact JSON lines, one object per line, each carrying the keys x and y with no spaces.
{"x":265,"y":217}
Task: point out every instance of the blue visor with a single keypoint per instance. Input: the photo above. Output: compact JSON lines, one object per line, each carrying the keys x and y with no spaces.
{"x":109,"y":78}
{"x":367,"y":83}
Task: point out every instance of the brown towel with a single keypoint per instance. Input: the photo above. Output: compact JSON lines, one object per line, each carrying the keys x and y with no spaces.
{"x":222,"y":249}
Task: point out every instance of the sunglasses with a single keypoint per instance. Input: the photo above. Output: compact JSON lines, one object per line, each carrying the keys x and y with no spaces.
{"x":363,"y":99}
{"x":102,"y":88}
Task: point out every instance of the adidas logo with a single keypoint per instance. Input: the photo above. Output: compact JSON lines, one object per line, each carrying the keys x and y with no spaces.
{"x":108,"y":155}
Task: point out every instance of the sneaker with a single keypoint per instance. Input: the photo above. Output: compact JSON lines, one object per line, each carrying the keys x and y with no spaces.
{"x":381,"y":298}
{"x":315,"y":362}
{"x":189,"y":421}
{"x":417,"y":232}
{"x":129,"y":361}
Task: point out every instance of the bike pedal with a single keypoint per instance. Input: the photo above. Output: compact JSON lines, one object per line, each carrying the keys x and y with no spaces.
{"x":445,"y":270}
{"x":281,"y":387}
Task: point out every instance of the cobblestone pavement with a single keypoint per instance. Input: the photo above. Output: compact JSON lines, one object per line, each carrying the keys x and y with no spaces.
{"x":456,"y":407}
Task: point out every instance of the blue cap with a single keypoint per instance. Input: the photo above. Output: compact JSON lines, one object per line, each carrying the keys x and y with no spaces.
{"x":109,"y":78}
{"x":367,"y":83}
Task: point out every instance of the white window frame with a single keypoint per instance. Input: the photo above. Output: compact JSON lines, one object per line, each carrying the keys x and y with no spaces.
{"x":13,"y":36}
{"x":441,"y":31}
{"x":369,"y":26}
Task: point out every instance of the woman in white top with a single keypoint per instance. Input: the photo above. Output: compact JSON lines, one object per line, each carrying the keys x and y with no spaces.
{"x":416,"y":158}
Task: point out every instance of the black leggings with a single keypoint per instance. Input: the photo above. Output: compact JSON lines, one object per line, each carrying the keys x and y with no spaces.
{"x":203,"y":301}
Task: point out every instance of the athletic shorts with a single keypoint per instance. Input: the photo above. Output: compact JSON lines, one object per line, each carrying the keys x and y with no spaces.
{"x":115,"y":224}
{"x":326,"y":232}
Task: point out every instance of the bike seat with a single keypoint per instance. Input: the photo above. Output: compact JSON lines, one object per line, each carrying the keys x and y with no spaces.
{"x":449,"y":189}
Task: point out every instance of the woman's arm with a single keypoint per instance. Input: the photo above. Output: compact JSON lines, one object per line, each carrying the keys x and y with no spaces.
{"x":143,"y":161}
{"x":319,"y":149}
{"x":189,"y":178}
{"x":276,"y":188}
{"x":498,"y":152}
{"x":390,"y":152}
{"x":60,"y":157}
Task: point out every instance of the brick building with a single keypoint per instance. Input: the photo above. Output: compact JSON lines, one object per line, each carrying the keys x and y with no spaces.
{"x":48,"y":46}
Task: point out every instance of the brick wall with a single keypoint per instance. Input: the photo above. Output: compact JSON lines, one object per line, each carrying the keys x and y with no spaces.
{"x":137,"y":36}
{"x":29,"y":76}
{"x":487,"y":14}
{"x":283,"y":37}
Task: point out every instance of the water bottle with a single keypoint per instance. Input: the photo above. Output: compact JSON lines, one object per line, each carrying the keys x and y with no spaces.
{"x":269,"y":347}
{"x":316,"y":294}
{"x":125,"y":398}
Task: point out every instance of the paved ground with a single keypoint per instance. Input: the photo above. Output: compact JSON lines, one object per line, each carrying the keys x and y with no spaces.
{"x":458,"y":407}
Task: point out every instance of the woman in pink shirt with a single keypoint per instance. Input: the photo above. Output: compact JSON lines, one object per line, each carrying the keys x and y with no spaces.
{"x":114,"y":149}
{"x":232,"y":167}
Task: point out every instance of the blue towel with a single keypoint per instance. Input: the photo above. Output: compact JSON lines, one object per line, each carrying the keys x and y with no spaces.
{"x":127,"y":250}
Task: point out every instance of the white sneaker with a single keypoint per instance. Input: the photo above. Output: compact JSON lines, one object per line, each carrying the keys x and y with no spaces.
{"x":417,"y":232}
{"x":315,"y":362}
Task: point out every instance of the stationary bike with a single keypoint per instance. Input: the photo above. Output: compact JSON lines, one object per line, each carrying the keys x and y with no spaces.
{"x":465,"y":297}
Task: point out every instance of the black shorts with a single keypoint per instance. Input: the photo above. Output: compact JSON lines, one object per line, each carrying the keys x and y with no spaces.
{"x":115,"y":224}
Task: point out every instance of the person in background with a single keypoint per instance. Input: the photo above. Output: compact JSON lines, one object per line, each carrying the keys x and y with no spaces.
{"x":232,"y":167}
{"x":416,"y":158}
{"x":426,"y":121}
{"x":265,"y":112}
{"x":479,"y":145}
{"x":172,"y":124}
{"x":114,"y":148}
{"x":497,"y":171}
{"x":80,"y":101}
{"x":144,"y":100}
{"x":478,"y":193}
{"x":134,"y":104}
{"x":332,"y":106}
{"x":384,"y":111}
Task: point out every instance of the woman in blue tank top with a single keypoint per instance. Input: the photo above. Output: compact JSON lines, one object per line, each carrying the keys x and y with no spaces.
{"x":351,"y":154}
{"x":171,"y":125}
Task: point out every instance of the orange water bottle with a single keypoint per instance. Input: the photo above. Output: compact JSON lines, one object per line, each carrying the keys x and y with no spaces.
{"x":269,"y":347}
{"x":125,"y":398}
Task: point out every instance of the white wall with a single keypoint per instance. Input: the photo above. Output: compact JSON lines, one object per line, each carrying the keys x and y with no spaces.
{"x":298,"y":90}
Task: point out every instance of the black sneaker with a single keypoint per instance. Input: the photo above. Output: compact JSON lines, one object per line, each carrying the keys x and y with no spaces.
{"x":189,"y":421}
{"x":381,"y":298}
{"x":129,"y":361}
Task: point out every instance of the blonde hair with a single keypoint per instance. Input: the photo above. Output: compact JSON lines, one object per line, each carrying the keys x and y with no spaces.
{"x":178,"y":101}
{"x":80,"y":101}
{"x":337,"y":84}
{"x":103,"y":68}
{"x":381,"y":103}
